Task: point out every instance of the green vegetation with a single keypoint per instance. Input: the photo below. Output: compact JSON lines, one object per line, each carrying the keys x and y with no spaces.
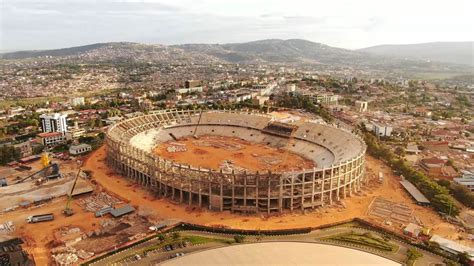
{"x":412,"y":256}
{"x":239,"y":238}
{"x":35,"y":101}
{"x":195,"y":240}
{"x":439,"y":196}
{"x":459,"y":192}
{"x":8,"y":153}
{"x":365,"y":239}
{"x":303,"y":102}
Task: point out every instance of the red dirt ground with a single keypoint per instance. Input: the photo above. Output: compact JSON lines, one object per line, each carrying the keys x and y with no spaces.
{"x":241,"y":153}
{"x":355,"y":206}
{"x":38,"y":236}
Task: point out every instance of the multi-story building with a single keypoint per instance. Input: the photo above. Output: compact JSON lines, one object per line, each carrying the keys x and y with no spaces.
{"x":192,"y":83}
{"x":54,"y":122}
{"x":327,"y":98}
{"x":77,"y":101}
{"x":361,"y":106}
{"x":51,"y":138}
{"x":24,"y":148}
{"x":382,"y":130}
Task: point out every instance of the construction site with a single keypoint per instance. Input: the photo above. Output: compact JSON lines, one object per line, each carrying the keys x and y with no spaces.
{"x":242,"y":162}
{"x":61,"y":215}
{"x":108,"y":211}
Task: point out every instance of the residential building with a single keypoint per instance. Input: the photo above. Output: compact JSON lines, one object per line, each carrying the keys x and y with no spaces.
{"x":24,"y":148}
{"x":50,"y":139}
{"x":53,"y":122}
{"x":421,"y":111}
{"x":412,"y":149}
{"x":260,"y":100}
{"x":326,"y":98}
{"x":192,"y":83}
{"x":16,"y":111}
{"x":75,"y":133}
{"x":435,"y":145}
{"x":467,"y":179}
{"x":79,"y":149}
{"x":188,"y":90}
{"x":432,"y":166}
{"x":77,"y":101}
{"x":382,"y":130}
{"x":361,"y":106}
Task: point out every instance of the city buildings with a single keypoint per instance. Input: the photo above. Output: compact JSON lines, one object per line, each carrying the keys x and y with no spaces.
{"x":361,"y":106}
{"x":382,"y":130}
{"x":50,"y":139}
{"x":79,"y":149}
{"x":53,"y":123}
{"x":77,"y":101}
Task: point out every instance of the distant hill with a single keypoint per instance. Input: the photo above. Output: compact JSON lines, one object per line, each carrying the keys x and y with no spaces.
{"x":275,"y":51}
{"x":111,"y":52}
{"x":57,"y":52}
{"x":386,"y":60}
{"x":447,"y":52}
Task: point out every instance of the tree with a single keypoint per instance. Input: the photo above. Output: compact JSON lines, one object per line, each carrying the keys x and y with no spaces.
{"x":176,"y":235}
{"x":161,"y":237}
{"x":445,"y":203}
{"x":239,"y":238}
{"x":8,"y":153}
{"x":412,"y":256}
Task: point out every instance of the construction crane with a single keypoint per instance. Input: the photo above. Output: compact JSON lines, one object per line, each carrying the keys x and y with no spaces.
{"x":68,"y":211}
{"x":196,"y":128}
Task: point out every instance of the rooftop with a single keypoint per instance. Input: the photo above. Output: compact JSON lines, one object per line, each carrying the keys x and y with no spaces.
{"x":414,"y":192}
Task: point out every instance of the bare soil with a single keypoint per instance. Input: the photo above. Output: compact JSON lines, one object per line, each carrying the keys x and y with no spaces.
{"x":212,"y":151}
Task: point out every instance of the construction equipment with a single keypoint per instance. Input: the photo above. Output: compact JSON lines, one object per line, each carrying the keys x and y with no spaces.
{"x":196,"y":128}
{"x":45,"y":160}
{"x":68,"y":211}
{"x":54,"y":173}
{"x":40,"y":218}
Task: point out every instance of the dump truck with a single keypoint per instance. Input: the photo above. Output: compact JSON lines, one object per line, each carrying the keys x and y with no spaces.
{"x":40,"y":218}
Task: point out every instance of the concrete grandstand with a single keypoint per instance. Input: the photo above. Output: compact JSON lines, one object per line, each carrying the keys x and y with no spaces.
{"x":338,"y":156}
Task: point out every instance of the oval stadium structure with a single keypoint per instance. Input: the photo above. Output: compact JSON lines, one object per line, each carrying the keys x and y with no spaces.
{"x":337,"y":156}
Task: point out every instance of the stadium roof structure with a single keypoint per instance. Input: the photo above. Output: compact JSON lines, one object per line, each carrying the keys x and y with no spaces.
{"x":414,"y":192}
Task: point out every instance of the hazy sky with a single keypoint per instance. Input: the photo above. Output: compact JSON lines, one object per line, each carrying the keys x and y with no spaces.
{"x":31,"y":24}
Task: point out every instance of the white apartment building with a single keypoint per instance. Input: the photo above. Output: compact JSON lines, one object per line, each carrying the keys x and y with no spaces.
{"x":77,"y":101}
{"x":361,"y":106}
{"x":53,"y":122}
{"x":382,"y":130}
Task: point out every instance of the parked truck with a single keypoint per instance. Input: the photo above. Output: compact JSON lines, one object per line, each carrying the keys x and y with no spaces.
{"x":40,"y":218}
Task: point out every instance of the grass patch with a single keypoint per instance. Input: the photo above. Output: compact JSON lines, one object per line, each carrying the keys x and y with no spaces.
{"x":365,"y":239}
{"x":195,"y":240}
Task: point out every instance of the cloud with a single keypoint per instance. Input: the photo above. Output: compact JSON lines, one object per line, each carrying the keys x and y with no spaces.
{"x":30,"y":24}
